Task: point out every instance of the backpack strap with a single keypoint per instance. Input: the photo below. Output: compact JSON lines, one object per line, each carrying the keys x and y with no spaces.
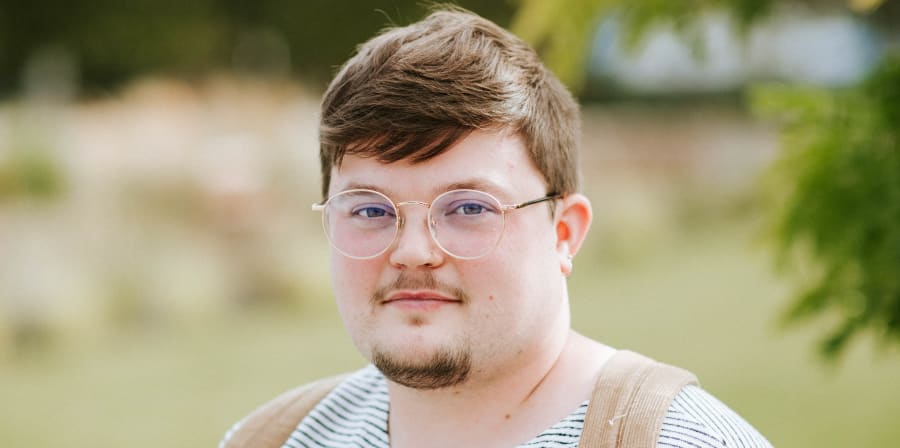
{"x":270,"y":425}
{"x":630,"y":401}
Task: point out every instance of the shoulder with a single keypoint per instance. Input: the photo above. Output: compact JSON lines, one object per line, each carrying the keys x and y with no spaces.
{"x":277,"y":418}
{"x":695,"y":418}
{"x":355,"y":413}
{"x":363,"y":389}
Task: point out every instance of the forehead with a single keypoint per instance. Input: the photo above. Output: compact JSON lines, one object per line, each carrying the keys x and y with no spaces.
{"x":493,"y":161}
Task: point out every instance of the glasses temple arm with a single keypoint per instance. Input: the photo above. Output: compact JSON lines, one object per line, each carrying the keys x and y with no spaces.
{"x":549,"y":196}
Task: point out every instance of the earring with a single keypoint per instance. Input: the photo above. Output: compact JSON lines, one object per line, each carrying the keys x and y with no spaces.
{"x":567,"y":267}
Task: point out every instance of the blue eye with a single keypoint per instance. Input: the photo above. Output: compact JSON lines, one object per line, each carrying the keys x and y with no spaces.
{"x":469,"y":209}
{"x":372,"y":211}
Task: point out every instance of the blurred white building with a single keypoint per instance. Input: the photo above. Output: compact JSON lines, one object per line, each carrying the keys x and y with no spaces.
{"x":823,"y":49}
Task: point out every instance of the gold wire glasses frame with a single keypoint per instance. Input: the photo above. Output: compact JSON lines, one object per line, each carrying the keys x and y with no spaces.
{"x":363,"y":224}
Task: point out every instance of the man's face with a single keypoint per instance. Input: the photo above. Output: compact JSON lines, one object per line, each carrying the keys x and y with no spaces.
{"x":415,"y":306}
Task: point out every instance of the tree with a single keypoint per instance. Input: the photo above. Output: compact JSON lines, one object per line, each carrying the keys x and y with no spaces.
{"x":835,"y":200}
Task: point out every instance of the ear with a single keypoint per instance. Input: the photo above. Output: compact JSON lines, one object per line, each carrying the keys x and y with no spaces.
{"x":573,"y":219}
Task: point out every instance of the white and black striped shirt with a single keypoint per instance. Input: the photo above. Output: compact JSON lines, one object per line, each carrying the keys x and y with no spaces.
{"x":355,"y":414}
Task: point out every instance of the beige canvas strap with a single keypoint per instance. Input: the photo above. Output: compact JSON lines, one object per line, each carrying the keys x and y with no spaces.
{"x":630,"y":401}
{"x":271,"y":424}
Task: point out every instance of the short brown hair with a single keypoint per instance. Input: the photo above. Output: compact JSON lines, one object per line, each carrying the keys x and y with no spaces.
{"x":413,"y":91}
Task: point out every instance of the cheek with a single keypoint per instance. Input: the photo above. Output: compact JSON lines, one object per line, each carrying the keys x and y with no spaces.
{"x":528,"y":244}
{"x":353,"y":282}
{"x":520,"y":267}
{"x":495,"y":283}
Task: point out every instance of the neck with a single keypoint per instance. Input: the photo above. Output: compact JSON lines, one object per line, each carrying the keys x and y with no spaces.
{"x":524,"y":398}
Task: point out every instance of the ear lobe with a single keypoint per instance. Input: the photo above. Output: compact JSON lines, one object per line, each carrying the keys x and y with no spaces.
{"x":574,"y":218}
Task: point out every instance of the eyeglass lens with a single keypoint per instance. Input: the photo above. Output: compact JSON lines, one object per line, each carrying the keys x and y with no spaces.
{"x":364,"y":223}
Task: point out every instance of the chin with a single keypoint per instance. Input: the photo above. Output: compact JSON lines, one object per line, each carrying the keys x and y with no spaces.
{"x":424,"y":369}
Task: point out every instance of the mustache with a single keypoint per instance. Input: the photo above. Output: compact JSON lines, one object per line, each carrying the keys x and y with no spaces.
{"x":425,"y":280}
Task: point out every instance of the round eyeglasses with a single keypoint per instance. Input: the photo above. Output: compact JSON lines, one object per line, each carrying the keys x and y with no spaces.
{"x":465,"y":224}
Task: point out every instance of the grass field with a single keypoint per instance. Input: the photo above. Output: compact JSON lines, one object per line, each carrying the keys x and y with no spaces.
{"x":705,"y":300}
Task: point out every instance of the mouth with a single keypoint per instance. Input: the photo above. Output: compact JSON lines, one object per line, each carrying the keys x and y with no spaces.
{"x":419,"y":300}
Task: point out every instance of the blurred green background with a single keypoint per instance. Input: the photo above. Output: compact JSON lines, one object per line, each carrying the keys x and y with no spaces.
{"x":161,"y":273}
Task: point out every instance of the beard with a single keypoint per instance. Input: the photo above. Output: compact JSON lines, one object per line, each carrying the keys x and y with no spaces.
{"x":445,"y":368}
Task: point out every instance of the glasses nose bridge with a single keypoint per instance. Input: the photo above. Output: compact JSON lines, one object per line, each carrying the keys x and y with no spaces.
{"x":422,"y":203}
{"x":402,"y":217}
{"x":401,"y":221}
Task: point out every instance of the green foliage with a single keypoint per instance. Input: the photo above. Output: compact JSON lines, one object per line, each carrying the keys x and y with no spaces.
{"x":835,"y":198}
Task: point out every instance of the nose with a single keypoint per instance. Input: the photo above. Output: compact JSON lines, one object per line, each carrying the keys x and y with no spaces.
{"x":415,"y":247}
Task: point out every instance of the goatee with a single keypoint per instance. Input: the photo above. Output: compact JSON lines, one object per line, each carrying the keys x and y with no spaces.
{"x":445,"y":369}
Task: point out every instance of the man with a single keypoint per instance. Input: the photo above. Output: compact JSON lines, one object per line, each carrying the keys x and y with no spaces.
{"x":449,"y":164}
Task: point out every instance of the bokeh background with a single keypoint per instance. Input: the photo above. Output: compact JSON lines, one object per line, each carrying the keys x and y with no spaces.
{"x":161,"y":273}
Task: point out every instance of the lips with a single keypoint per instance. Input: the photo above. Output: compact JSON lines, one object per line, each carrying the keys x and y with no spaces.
{"x":419,"y":300}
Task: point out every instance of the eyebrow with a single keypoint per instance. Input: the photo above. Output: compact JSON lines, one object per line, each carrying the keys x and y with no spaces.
{"x":474,"y":184}
{"x":470,"y":184}
{"x":358,"y":186}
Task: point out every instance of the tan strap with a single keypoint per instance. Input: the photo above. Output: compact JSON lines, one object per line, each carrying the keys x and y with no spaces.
{"x":270,"y":425}
{"x":630,"y":401}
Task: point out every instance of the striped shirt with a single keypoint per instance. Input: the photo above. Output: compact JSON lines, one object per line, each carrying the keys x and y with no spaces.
{"x":355,"y":414}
